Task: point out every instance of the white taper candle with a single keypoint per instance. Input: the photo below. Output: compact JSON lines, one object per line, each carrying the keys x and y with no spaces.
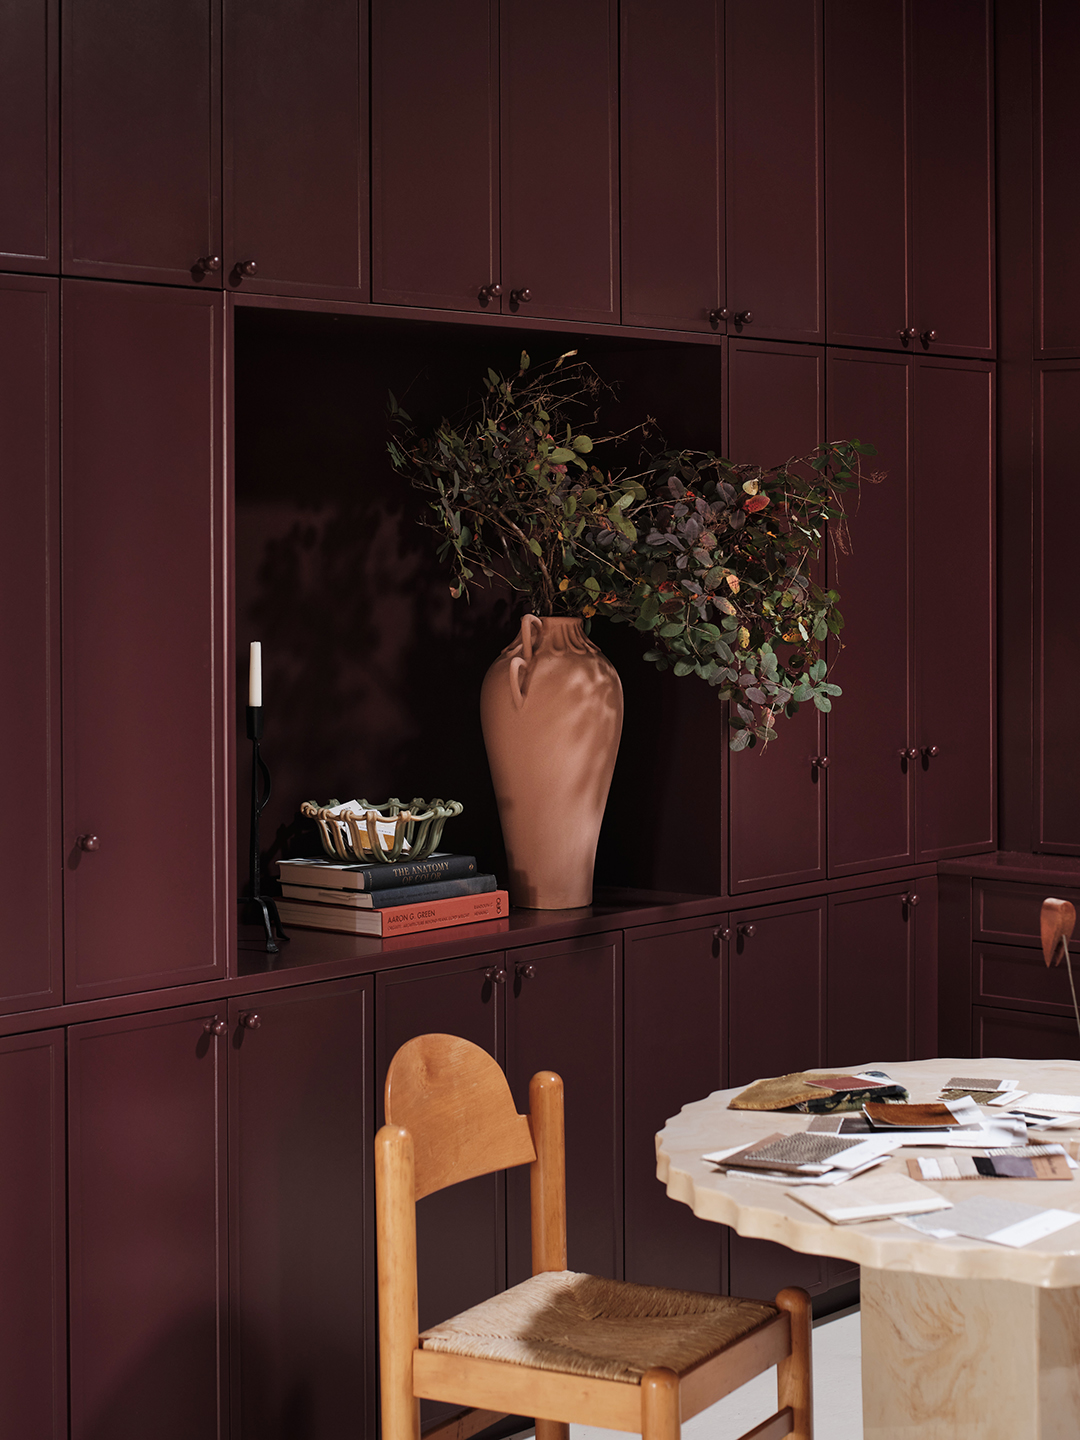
{"x":255,"y":674}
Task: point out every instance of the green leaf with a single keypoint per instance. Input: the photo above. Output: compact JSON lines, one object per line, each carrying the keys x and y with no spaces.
{"x":673,"y":627}
{"x":683,"y":667}
{"x":534,"y":546}
{"x":740,"y":740}
{"x":823,"y":703}
{"x":525,"y":361}
{"x":560,"y":455}
{"x":818,"y":670}
{"x":582,"y":444}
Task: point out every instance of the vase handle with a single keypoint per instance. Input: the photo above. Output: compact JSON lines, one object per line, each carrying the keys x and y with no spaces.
{"x":527,"y":622}
{"x":517,"y":666}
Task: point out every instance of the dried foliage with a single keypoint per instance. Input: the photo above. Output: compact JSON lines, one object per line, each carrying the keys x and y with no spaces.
{"x":712,"y":561}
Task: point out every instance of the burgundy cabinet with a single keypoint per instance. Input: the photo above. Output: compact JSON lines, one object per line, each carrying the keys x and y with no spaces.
{"x":144,"y":848}
{"x":872,"y":775}
{"x":300,"y":1127}
{"x":1057,"y":201}
{"x":671,"y":109}
{"x":1023,"y":1036}
{"x":31,"y":878}
{"x":33,"y":1268}
{"x":147,"y":1225}
{"x":774,"y":168}
{"x":495,"y":166}
{"x":954,"y":607}
{"x":29,"y":123}
{"x":673,"y":1053}
{"x":909,"y":166}
{"x":296,"y":147}
{"x":777,"y":795}
{"x":141,"y":140}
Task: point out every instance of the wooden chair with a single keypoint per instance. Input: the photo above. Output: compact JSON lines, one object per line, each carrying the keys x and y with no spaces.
{"x":561,"y":1346}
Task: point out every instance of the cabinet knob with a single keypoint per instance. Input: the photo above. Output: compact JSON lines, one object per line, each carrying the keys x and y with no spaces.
{"x":89,"y":842}
{"x":527,"y":972}
{"x":909,"y":334}
{"x":251,"y":1020}
{"x":721,"y":932}
{"x":927,"y":336}
{"x":746,"y":931}
{"x":496,"y":974}
{"x":911,"y":754}
{"x":215,"y":1026}
{"x":929,"y":751}
{"x":245,"y":267}
{"x":208,"y":263}
{"x":520,"y":297}
{"x":489,"y":292}
{"x":743,"y":317}
{"x":819,"y":762}
{"x":911,"y":899}
{"x":715,"y":316}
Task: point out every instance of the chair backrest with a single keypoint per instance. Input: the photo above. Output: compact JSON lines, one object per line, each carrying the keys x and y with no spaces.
{"x":453,"y":1099}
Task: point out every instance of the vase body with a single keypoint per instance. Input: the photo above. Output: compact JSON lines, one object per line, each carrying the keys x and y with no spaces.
{"x":551,"y":708}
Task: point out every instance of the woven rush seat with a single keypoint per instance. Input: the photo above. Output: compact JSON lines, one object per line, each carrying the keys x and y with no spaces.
{"x":606,"y":1329}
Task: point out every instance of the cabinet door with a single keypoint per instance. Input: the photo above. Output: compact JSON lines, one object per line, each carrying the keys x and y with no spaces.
{"x":29,"y":123}
{"x":434,"y":152}
{"x":1023,"y":1036}
{"x":1057,"y":203}
{"x":31,"y":877}
{"x":952,"y":175}
{"x":296,"y":166}
{"x":954,"y":607}
{"x":871,"y":777}
{"x":673,"y":1054}
{"x":141,"y":144}
{"x":776,"y":991}
{"x":774,"y":165}
{"x":144,"y":698}
{"x":866,"y":172}
{"x":1057,"y":692}
{"x":671,"y":109}
{"x":564,"y":1013}
{"x":300,"y":1128}
{"x":33,"y":1272}
{"x":559,"y":158}
{"x":870,"y":1016}
{"x":777,"y":796}
{"x":147,"y":1226}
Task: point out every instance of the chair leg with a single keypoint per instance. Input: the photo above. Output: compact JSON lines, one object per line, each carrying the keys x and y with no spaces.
{"x":794,"y":1374}
{"x":660,"y":1417}
{"x":552,"y":1429}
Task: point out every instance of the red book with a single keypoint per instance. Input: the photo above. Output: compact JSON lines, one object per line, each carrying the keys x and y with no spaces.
{"x":398,"y":920}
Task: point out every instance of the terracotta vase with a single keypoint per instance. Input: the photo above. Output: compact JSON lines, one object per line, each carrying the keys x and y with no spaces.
{"x":551,"y":708}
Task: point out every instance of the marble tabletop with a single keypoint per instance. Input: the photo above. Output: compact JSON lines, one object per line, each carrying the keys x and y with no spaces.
{"x":765,"y":1210}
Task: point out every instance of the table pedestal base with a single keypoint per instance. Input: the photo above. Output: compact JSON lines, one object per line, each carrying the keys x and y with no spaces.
{"x":951,"y":1359}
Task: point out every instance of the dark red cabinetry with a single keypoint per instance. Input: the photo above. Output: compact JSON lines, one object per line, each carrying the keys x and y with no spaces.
{"x":33,"y":1268}
{"x":147,"y":1239}
{"x":141,"y":140}
{"x":295,"y":97}
{"x":1057,"y":202}
{"x":144,"y":848}
{"x":29,"y":123}
{"x":909,"y":166}
{"x":31,"y":878}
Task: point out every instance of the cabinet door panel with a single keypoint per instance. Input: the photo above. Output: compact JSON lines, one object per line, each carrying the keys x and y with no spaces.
{"x":1057,"y":809}
{"x":870,"y":779}
{"x":776,"y":953}
{"x":671,"y":123}
{"x":774,"y":164}
{"x":559,"y":157}
{"x":295,"y":91}
{"x":871,"y":989}
{"x":777,"y":797}
{"x":143,"y":701}
{"x":300,"y":1219}
{"x":674,"y":1053}
{"x":141,"y":148}
{"x":566,"y":1017}
{"x":866,"y":171}
{"x":146,"y":1154}
{"x":29,"y":123}
{"x":31,"y":879}
{"x":1057,"y":198}
{"x":761,"y":1268}
{"x":952,"y":175}
{"x":33,"y":1278}
{"x":1023,"y":1036}
{"x":434,"y":152}
{"x":954,"y":606}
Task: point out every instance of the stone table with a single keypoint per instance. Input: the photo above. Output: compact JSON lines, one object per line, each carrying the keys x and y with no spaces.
{"x":961,"y":1339}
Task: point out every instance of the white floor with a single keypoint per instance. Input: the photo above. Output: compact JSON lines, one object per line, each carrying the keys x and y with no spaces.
{"x":837,"y":1394}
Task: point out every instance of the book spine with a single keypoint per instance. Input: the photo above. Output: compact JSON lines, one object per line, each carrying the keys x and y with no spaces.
{"x":387,"y":899}
{"x":420,"y":872}
{"x":405,"y":919}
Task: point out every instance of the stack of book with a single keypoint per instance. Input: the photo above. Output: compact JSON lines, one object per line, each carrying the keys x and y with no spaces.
{"x":396,"y":899}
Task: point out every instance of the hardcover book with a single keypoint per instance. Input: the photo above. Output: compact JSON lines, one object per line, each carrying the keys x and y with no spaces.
{"x":397,"y":895}
{"x":396,"y":919}
{"x":337,"y":875}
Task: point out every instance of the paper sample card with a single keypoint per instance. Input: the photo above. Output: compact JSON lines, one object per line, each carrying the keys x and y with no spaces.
{"x":1003,"y":1222}
{"x":877,"y":1197}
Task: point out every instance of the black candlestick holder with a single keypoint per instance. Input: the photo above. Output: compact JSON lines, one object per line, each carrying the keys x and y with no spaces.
{"x":257,"y":907}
